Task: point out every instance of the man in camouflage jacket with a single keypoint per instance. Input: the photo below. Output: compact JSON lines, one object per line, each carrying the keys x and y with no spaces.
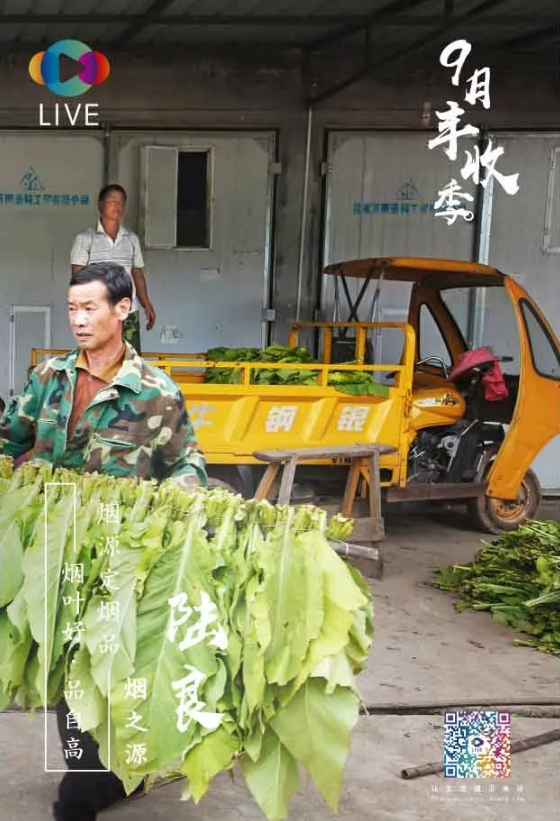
{"x":101,"y":408}
{"x":136,"y":424}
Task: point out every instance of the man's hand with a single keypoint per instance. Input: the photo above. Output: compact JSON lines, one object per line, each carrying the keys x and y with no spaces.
{"x":150,"y":316}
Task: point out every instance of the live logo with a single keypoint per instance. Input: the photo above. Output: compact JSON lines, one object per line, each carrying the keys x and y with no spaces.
{"x":82,"y":115}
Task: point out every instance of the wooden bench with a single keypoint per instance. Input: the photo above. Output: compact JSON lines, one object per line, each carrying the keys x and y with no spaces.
{"x":363,"y":546}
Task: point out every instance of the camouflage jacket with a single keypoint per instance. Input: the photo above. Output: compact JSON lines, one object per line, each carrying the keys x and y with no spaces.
{"x":135,"y":426}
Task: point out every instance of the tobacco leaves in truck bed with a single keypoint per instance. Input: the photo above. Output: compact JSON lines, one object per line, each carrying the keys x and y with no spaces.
{"x":356,"y":383}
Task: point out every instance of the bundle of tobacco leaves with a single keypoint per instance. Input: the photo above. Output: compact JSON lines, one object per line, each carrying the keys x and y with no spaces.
{"x":355,"y":383}
{"x":516,"y":578}
{"x":199,"y":629}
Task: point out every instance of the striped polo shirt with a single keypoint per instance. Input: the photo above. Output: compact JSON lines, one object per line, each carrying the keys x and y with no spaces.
{"x":96,"y":246}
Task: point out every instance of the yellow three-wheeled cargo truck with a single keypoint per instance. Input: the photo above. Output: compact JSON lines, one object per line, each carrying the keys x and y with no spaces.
{"x":454,"y":440}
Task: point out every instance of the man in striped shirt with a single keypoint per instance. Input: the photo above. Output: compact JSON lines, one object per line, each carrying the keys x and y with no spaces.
{"x":112,"y":242}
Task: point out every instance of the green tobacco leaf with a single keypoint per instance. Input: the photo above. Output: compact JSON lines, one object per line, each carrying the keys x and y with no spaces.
{"x":341,"y":586}
{"x":111,"y":618}
{"x":18,"y":640}
{"x":252,"y":743}
{"x":113,"y":758}
{"x":16,"y":647}
{"x":92,"y":706}
{"x":315,"y":727}
{"x":293,"y":593}
{"x":18,"y":498}
{"x":30,"y":695}
{"x":42,"y":566}
{"x":361,"y":388}
{"x":214,"y":754}
{"x":6,"y":469}
{"x":361,"y":632}
{"x":344,"y":596}
{"x":16,"y":506}
{"x":273,"y":779}
{"x":553,"y":597}
{"x":184,"y":568}
{"x":332,"y":638}
{"x":257,"y":634}
{"x":11,"y":578}
{"x":516,"y":578}
{"x":88,"y":529}
{"x":337,"y":672}
{"x":360,"y":639}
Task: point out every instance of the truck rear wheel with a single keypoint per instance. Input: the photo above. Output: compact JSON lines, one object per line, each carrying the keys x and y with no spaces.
{"x":217,"y":483}
{"x":498,"y":515}
{"x":226,"y":477}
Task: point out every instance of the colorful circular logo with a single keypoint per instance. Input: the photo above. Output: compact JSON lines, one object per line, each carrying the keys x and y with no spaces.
{"x":44,"y":68}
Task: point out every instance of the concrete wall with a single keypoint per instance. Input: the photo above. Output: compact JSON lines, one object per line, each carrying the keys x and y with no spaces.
{"x":203,"y":93}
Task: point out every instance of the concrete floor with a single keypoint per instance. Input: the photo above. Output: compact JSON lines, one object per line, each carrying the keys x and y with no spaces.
{"x":424,"y":651}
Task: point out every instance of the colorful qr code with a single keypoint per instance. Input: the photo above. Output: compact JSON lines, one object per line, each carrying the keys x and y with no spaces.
{"x":477,"y":744}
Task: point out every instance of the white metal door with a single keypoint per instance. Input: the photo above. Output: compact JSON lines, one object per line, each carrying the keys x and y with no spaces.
{"x":381,"y":189}
{"x":209,"y":296}
{"x":30,"y":327}
{"x":48,"y":193}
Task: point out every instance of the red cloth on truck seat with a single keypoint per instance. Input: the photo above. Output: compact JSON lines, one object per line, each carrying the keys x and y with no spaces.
{"x":495,"y":387}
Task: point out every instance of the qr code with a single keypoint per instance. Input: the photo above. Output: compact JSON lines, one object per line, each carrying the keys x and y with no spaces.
{"x":477,"y":744}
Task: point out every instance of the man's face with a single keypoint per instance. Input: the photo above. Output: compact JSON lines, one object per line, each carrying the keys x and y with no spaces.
{"x":94,"y":321}
{"x":112,"y":206}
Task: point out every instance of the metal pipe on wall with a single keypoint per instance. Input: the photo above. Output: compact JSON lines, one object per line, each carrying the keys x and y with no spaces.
{"x":478,"y":211}
{"x":481,"y":253}
{"x":303,"y":221}
{"x":471,"y":311}
{"x":106,"y":154}
{"x":483,"y":257}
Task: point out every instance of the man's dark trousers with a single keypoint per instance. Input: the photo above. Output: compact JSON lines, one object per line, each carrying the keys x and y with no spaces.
{"x":82,"y":795}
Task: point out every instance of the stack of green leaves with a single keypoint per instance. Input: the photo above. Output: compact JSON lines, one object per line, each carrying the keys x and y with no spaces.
{"x":516,"y":578}
{"x":199,"y":629}
{"x":355,"y":383}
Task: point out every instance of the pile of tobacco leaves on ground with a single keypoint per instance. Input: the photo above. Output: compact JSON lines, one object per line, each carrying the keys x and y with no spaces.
{"x":517,"y":579}
{"x":356,"y":383}
{"x":200,"y":629}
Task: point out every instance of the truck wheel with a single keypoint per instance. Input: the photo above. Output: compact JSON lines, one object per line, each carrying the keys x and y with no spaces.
{"x":497,"y":515}
{"x":215,"y":483}
{"x":225,"y":476}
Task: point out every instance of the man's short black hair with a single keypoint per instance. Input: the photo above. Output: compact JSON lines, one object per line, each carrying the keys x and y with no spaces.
{"x":113,"y":186}
{"x":113,"y":276}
